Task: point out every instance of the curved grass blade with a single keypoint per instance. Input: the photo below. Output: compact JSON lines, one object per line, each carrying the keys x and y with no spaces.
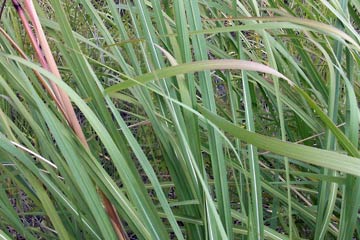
{"x":319,"y":157}
{"x":223,"y":64}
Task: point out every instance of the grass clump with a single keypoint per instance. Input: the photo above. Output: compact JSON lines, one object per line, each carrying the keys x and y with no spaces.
{"x":179,"y":119}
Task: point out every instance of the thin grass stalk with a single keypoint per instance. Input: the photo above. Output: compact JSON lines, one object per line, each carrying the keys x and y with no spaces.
{"x":215,"y":142}
{"x":328,"y":190}
{"x":279,"y":107}
{"x":255,"y":204}
{"x":38,"y":51}
{"x":40,"y":78}
{"x":52,"y":67}
{"x":351,"y":196}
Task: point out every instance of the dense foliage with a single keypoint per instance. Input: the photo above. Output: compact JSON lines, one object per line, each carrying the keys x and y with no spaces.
{"x":189,"y":119}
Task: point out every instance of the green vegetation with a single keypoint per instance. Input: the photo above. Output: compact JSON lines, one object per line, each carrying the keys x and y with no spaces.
{"x":189,"y":119}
